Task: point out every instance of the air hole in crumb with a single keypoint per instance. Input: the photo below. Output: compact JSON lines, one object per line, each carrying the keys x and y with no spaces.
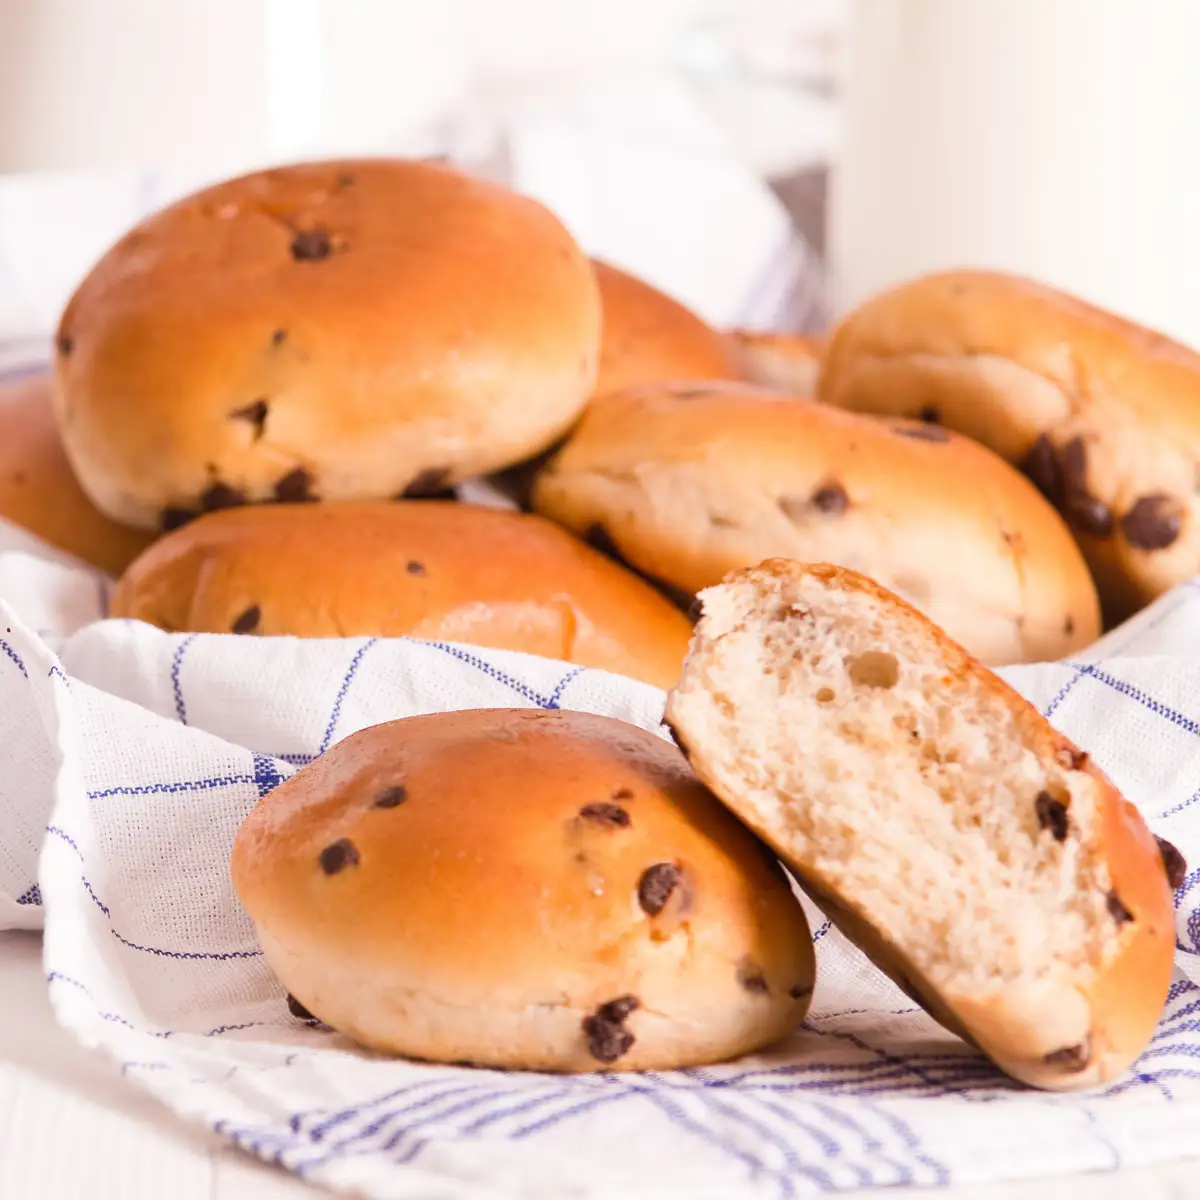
{"x":874,"y":668}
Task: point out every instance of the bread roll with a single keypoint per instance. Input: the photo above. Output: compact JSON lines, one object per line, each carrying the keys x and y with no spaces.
{"x":688,"y":482}
{"x":648,"y":337}
{"x":523,"y":889}
{"x":1102,"y":414}
{"x":38,"y":490}
{"x":788,"y":362}
{"x":973,"y":852}
{"x":340,"y":330}
{"x":426,"y":569}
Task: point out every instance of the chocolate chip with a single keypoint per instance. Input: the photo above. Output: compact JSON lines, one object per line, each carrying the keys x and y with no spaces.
{"x":1071,"y":759}
{"x":279,"y":337}
{"x":611,"y":816}
{"x":1174,"y":863}
{"x":930,"y":415}
{"x":607,"y":1039}
{"x":695,"y":610}
{"x":295,"y":487}
{"x":1043,"y":468}
{"x":692,"y":392}
{"x":830,"y":498}
{"x":655,"y":887}
{"x":414,"y":568}
{"x":221,"y":495}
{"x":391,"y":797}
{"x":298,"y":1010}
{"x":247,"y":622}
{"x":752,"y":979}
{"x":310,"y":245}
{"x":1087,"y":513}
{"x":429,"y":485}
{"x":1153,"y":523}
{"x":1071,"y":1058}
{"x":255,"y":413}
{"x":623,"y":793}
{"x":338,"y":855}
{"x":65,"y":344}
{"x":346,"y":179}
{"x":922,"y":433}
{"x":174,"y":518}
{"x":798,"y":993}
{"x":1069,"y":625}
{"x":1051,"y":815}
{"x":1117,"y":910}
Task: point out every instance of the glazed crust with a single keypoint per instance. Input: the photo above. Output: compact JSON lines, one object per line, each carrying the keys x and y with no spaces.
{"x":690,"y":481}
{"x":339,"y":330}
{"x":1103,"y":414}
{"x":39,"y":491}
{"x":1025,"y":1030}
{"x":427,"y":569}
{"x":494,"y":900}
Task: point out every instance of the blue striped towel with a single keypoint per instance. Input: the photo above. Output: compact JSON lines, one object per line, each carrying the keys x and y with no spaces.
{"x":132,"y":755}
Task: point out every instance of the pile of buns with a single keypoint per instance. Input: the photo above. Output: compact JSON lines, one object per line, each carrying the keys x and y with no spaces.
{"x":267,"y":405}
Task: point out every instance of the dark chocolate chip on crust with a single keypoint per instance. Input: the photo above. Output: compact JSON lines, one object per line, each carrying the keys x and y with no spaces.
{"x":930,"y":415}
{"x":623,"y":793}
{"x":606,"y":815}
{"x":1086,"y":512}
{"x":751,"y":977}
{"x":247,"y":621}
{"x":798,"y":992}
{"x":1069,"y":625}
{"x":255,"y":414}
{"x":298,"y":1010}
{"x":414,"y":568}
{"x":1043,"y":468}
{"x":65,"y":344}
{"x":922,"y":433}
{"x":655,"y":887}
{"x":1153,"y":523}
{"x":175,"y":518}
{"x":1071,"y":1058}
{"x":221,"y":495}
{"x":309,"y":245}
{"x":830,"y":498}
{"x":429,"y":485}
{"x":279,"y":337}
{"x":295,"y":487}
{"x":391,"y":797}
{"x":346,"y":179}
{"x":1051,"y":815}
{"x":338,"y":855}
{"x":1117,"y":909}
{"x":1173,"y":862}
{"x":607,"y":1038}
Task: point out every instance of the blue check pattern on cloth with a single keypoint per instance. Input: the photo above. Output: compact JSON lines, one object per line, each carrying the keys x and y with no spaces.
{"x":137,"y":753}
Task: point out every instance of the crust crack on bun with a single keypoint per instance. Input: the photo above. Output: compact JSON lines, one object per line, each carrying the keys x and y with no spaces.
{"x":457,"y":887}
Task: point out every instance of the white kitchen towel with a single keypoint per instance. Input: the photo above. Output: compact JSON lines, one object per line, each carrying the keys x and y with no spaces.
{"x":138,"y":753}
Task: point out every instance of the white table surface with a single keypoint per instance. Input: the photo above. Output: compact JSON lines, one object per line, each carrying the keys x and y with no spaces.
{"x":71,"y":1128}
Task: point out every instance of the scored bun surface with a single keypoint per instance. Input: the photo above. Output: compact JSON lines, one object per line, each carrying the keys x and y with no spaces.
{"x":39,"y":491}
{"x":336,"y":330}
{"x":648,"y":336}
{"x":689,"y":481}
{"x":972,"y":851}
{"x":788,"y":362}
{"x":523,"y":889}
{"x":427,"y":569}
{"x":1103,"y":414}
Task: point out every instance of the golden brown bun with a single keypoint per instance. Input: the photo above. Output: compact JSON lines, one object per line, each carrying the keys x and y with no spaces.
{"x":426,"y":569}
{"x":690,"y":481}
{"x":1103,"y":414}
{"x":973,"y":852}
{"x":39,"y":491}
{"x":523,"y":889}
{"x":788,"y":362}
{"x":649,"y":337}
{"x":341,"y":330}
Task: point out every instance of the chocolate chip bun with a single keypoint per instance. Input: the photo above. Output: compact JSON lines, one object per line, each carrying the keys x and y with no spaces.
{"x":523,"y":889}
{"x":39,"y":491}
{"x":1102,"y":414}
{"x":788,"y":362}
{"x":974,"y":853}
{"x":426,"y":569}
{"x":333,"y":331}
{"x":648,"y":336}
{"x":690,"y":481}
